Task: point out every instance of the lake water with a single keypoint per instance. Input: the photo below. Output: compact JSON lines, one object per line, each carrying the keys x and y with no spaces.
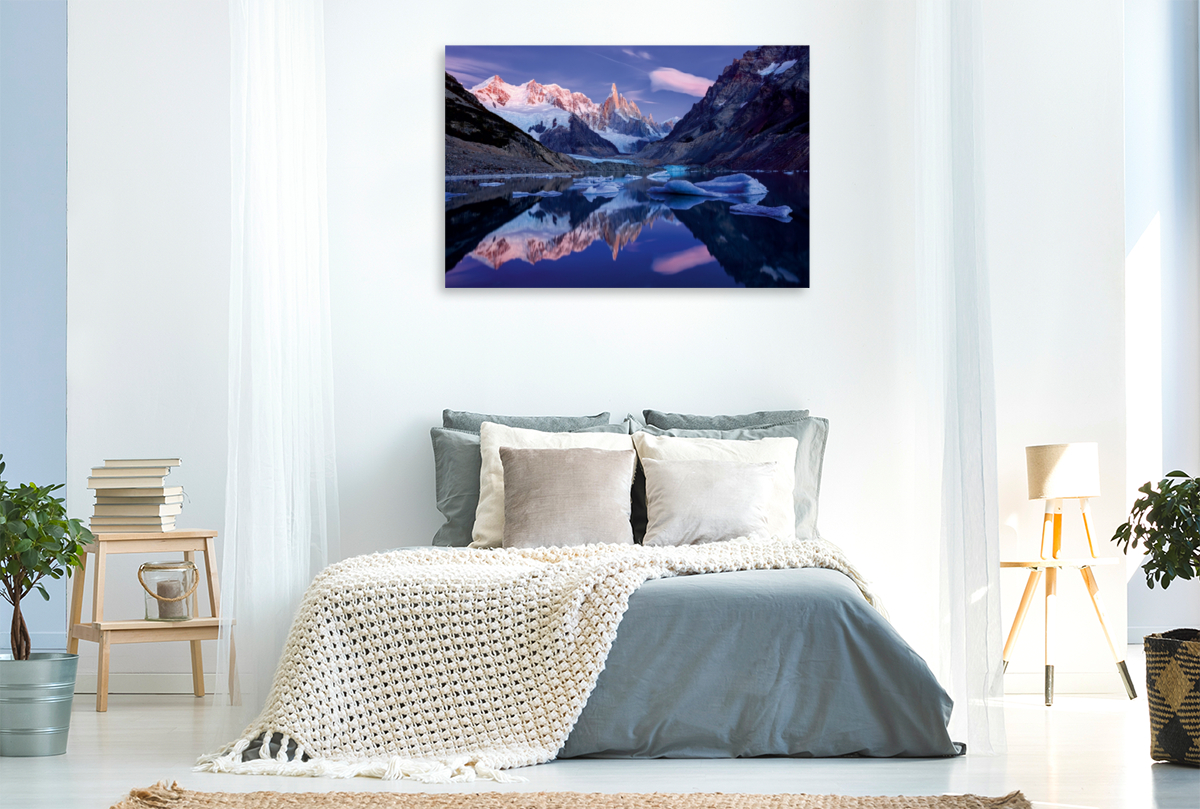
{"x":635,"y":238}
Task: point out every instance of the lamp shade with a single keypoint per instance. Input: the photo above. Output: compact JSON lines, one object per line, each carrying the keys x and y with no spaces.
{"x":1063,"y":470}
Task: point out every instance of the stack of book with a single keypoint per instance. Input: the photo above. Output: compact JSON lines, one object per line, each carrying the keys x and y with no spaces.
{"x":132,"y":496}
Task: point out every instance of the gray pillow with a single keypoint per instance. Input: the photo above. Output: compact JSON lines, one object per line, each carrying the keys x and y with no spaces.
{"x":694,"y":501}
{"x":684,"y":421}
{"x":811,"y":433}
{"x":456,"y":464}
{"x":563,"y":497}
{"x":463,"y":420}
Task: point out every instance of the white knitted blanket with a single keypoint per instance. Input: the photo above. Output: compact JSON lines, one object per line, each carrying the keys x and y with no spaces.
{"x":442,"y":666}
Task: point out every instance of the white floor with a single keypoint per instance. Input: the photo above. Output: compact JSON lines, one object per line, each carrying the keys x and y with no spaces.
{"x":1082,"y":752}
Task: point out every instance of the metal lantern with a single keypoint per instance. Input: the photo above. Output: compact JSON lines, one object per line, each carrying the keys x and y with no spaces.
{"x":169,"y":587}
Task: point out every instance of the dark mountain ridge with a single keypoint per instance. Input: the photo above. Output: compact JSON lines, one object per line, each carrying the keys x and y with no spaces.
{"x":577,"y":138}
{"x":479,"y":141}
{"x":755,"y":116}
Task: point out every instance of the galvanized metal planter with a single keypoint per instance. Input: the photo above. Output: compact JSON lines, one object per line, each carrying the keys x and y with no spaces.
{"x":35,"y":703}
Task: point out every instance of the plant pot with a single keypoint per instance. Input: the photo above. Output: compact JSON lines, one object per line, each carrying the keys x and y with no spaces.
{"x":35,"y":703}
{"x":1173,"y":693}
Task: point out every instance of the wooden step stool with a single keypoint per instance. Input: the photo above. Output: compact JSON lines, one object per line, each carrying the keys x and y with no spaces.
{"x":106,"y":633}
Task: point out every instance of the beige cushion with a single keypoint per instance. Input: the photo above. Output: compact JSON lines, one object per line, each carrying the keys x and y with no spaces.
{"x":781,"y":516}
{"x":689,"y":502}
{"x":488,"y":531}
{"x":566,"y":496}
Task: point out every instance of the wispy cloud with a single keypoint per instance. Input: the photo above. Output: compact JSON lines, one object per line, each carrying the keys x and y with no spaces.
{"x":678,"y":262}
{"x":668,"y":78}
{"x":472,"y":71}
{"x":636,"y":54}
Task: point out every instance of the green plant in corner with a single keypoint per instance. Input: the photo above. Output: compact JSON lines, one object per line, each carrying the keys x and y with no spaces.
{"x":36,"y":540}
{"x":1166,"y":521}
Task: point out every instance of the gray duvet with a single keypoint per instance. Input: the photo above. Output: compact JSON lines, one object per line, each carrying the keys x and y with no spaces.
{"x":760,"y":663}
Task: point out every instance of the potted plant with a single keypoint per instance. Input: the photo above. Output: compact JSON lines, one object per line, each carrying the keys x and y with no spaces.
{"x":36,"y":540}
{"x":1166,"y":522}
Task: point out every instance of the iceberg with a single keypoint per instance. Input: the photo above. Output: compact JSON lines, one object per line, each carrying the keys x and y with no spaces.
{"x":734,"y":185}
{"x":603,"y":190}
{"x":684,"y":188}
{"x":489,"y":185}
{"x":659,"y":176}
{"x":549,"y":193}
{"x":677,"y":171}
{"x":633,"y":176}
{"x":449,"y":195}
{"x":782,"y":214}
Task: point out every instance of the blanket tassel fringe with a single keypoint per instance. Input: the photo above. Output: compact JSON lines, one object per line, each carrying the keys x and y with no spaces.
{"x":456,"y":769}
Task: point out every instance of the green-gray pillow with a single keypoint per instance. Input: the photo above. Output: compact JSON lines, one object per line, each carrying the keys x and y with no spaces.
{"x":456,"y":464}
{"x":685,"y":421}
{"x":810,"y":432}
{"x":463,"y":420}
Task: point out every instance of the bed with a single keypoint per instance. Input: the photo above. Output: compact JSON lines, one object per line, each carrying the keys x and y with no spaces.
{"x":451,"y":664}
{"x":760,"y":663}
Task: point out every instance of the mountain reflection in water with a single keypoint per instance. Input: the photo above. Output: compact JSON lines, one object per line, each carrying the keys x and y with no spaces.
{"x":634,"y":238}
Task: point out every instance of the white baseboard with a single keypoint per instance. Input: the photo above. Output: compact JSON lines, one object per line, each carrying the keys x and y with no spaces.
{"x":142,"y":683}
{"x":1066,"y":682}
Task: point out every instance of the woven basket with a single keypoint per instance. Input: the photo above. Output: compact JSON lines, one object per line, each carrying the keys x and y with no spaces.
{"x":1173,"y":691}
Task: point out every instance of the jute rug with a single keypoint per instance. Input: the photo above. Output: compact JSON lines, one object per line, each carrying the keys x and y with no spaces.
{"x":162,"y":796}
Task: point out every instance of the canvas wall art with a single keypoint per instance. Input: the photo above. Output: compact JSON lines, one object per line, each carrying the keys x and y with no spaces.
{"x":627,"y":166}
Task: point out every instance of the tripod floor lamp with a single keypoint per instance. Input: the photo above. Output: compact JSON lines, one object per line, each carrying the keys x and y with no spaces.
{"x":1059,"y":472}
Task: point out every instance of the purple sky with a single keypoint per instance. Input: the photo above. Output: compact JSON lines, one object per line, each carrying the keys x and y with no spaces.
{"x":659,"y":79}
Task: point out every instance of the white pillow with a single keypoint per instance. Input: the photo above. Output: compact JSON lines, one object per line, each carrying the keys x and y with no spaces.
{"x":489,"y":514}
{"x":691,"y":502}
{"x":781,"y":516}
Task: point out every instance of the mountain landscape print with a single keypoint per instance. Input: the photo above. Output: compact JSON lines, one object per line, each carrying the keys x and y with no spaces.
{"x":627,"y":166}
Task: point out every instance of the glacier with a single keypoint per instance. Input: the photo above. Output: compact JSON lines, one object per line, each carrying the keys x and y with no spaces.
{"x":489,"y":185}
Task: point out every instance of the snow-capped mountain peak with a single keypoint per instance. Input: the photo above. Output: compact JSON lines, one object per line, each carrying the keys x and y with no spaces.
{"x":538,"y":108}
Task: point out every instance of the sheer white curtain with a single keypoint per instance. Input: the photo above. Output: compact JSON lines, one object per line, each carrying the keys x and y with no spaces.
{"x":957,"y":428}
{"x":281,"y":508}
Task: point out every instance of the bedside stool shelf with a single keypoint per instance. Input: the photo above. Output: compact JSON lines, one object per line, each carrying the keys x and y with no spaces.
{"x":108,"y":632}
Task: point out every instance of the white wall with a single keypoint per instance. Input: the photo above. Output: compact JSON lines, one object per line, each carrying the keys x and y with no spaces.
{"x":1162,"y":216}
{"x":405,"y":347}
{"x":148,"y":247}
{"x":149,"y":236}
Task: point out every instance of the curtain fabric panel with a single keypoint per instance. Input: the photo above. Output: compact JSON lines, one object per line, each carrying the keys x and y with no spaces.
{"x":957,"y":426}
{"x":281,"y":512}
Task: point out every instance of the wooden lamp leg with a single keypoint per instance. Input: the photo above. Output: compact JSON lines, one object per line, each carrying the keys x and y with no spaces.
{"x":1093,"y":588}
{"x":1048,"y":517}
{"x":1086,"y":512}
{"x":1035,"y":576}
